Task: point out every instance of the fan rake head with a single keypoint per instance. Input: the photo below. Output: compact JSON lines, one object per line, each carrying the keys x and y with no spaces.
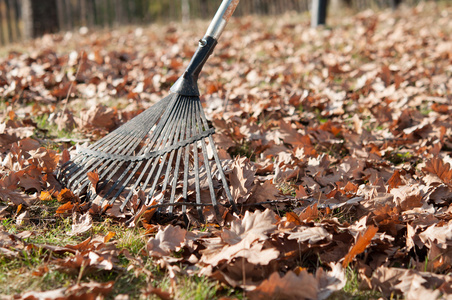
{"x":166,"y":151}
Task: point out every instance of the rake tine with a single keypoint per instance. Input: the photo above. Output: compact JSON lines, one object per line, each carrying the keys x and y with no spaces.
{"x":175,"y":140}
{"x":118,"y":181}
{"x":162,"y":143}
{"x":207,"y":166}
{"x":119,"y":165}
{"x":175,"y":177}
{"x":219,"y":167}
{"x":170,"y":160}
{"x":79,"y":171}
{"x":93,"y":164}
{"x":178,"y":160}
{"x":129,"y":143}
{"x":129,"y":196}
{"x":187,"y":160}
{"x":196,"y":169}
{"x":137,"y":167}
{"x":145,"y":118}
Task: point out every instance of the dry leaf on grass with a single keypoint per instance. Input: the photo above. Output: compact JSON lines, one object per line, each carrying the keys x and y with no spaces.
{"x":45,"y":196}
{"x":255,"y":254}
{"x":253,"y":226}
{"x":436,"y":166}
{"x":242,"y":179}
{"x":166,"y":241}
{"x":289,"y":287}
{"x":411,"y":284}
{"x":163,"y":295}
{"x":81,"y":223}
{"x":66,"y":195}
{"x":330,"y":281}
{"x":311,"y":235}
{"x":361,"y":244}
{"x":91,"y":290}
{"x":66,"y":208}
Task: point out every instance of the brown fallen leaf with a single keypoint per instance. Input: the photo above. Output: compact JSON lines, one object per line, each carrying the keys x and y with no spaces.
{"x":361,"y":244}
{"x":293,"y":218}
{"x":91,"y":290}
{"x":242,"y":179}
{"x":436,"y":166}
{"x":309,"y":214}
{"x":158,"y":292}
{"x":394,"y":181}
{"x":65,"y":157}
{"x":66,"y":195}
{"x":45,"y":196}
{"x":166,"y":241}
{"x":264,"y":192}
{"x":288,"y":287}
{"x":301,"y":192}
{"x":109,"y":236}
{"x":65,"y":208}
{"x":45,"y":159}
{"x":311,"y":235}
{"x":253,"y":226}
{"x":330,"y":281}
{"x":30,"y":183}
{"x":17,"y":198}
{"x":93,"y":177}
{"x":407,"y":196}
{"x":81,"y":223}
{"x":4,"y":212}
{"x":410,"y":283}
{"x":41,"y":271}
{"x":255,"y":254}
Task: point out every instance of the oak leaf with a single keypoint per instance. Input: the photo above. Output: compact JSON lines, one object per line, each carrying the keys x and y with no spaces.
{"x":45,"y":159}
{"x":45,"y":196}
{"x":253,"y":226}
{"x":361,"y":244}
{"x":166,"y":241}
{"x":443,"y":171}
{"x":330,"y":281}
{"x":66,"y":195}
{"x":288,"y":287}
{"x":310,"y":213}
{"x":91,"y":290}
{"x":65,"y":208}
{"x":242,"y":179}
{"x":311,"y":235}
{"x":81,"y":223}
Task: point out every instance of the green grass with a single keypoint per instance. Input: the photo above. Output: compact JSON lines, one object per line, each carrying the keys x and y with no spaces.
{"x":352,"y":289}
{"x":46,"y":129}
{"x":17,"y":274}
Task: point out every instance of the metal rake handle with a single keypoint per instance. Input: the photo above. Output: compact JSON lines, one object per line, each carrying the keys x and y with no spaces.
{"x":187,"y":84}
{"x":221,"y":18}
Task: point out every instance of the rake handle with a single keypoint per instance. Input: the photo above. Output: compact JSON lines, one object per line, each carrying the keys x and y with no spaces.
{"x":187,"y":84}
{"x":221,"y":18}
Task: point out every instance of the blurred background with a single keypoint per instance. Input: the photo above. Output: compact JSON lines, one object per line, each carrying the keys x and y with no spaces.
{"x":25,"y":19}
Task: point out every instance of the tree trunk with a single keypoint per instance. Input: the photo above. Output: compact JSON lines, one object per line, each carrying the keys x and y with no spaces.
{"x":68,"y":17}
{"x":185,"y":8}
{"x":318,"y":12}
{"x":83,"y":12}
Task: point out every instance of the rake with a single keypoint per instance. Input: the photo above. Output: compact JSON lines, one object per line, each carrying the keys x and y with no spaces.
{"x":163,"y":151}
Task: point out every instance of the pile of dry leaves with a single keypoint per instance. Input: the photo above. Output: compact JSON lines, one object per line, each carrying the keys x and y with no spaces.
{"x":345,"y":131}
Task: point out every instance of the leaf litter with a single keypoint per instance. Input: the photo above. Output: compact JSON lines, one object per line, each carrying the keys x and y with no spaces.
{"x":336,"y":143}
